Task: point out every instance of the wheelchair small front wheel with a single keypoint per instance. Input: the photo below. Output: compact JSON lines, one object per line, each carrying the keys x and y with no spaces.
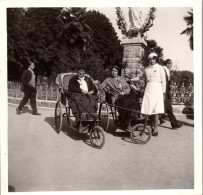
{"x":97,"y":137}
{"x":140,"y":134}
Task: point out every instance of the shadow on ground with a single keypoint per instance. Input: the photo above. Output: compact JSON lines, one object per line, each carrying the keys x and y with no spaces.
{"x":11,"y":188}
{"x":186,"y":123}
{"x":116,"y":131}
{"x":68,"y":131}
{"x":25,"y":109}
{"x":181,"y":122}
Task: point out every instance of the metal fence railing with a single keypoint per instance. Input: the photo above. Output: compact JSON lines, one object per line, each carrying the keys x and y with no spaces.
{"x":183,"y":95}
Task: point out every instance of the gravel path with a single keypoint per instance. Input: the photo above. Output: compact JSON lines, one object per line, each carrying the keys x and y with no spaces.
{"x":39,"y":159}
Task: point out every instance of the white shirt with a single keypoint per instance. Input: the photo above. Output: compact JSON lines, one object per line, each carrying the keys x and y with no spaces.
{"x":167,"y":72}
{"x":83,"y":84}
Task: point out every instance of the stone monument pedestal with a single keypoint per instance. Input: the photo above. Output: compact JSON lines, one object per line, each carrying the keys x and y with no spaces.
{"x":133,"y":52}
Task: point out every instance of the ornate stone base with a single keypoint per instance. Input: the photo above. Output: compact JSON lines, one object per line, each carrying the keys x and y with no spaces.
{"x":133,"y":52}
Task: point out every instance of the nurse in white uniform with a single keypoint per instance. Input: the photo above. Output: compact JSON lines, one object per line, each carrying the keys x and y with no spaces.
{"x":153,"y":100}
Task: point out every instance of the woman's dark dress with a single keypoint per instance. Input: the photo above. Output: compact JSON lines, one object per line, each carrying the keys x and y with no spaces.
{"x":80,"y":102}
{"x":130,"y":100}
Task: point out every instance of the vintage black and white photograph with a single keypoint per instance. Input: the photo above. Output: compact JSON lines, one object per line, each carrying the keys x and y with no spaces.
{"x":101,"y":98}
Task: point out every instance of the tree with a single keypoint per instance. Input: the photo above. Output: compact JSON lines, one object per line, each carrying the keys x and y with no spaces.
{"x":179,"y":77}
{"x":105,"y":40}
{"x":15,"y":42}
{"x":102,"y":47}
{"x":48,"y":37}
{"x":76,"y":34}
{"x":152,"y":47}
{"x":32,"y":35}
{"x":43,"y":27}
{"x":189,"y":30}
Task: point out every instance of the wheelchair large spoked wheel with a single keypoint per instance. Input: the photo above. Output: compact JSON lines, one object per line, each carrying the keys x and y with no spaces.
{"x":58,"y":116}
{"x":140,"y":135}
{"x":104,"y":116}
{"x":97,"y":137}
{"x":68,"y":116}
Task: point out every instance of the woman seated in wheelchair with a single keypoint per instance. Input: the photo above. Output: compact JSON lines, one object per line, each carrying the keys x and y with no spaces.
{"x":83,"y":96}
{"x":118,"y":92}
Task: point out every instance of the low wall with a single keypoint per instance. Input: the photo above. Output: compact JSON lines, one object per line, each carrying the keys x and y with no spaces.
{"x":177,"y":109}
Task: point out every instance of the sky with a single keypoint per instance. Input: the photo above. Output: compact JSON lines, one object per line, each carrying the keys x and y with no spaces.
{"x":168,"y":24}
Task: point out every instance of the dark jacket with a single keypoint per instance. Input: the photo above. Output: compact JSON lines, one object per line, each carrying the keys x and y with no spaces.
{"x":168,"y":83}
{"x":74,"y":85}
{"x":25,"y":79}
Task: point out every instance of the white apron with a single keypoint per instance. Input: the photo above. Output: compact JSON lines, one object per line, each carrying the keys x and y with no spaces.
{"x":153,"y":101}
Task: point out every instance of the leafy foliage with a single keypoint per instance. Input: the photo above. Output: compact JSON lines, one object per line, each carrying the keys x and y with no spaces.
{"x":121,"y":21}
{"x":134,"y":32}
{"x":37,"y":39}
{"x":152,"y":47}
{"x":58,"y":40}
{"x":180,"y":77}
{"x":105,"y":40}
{"x":76,"y":34}
{"x":189,"y":30}
{"x":16,"y":42}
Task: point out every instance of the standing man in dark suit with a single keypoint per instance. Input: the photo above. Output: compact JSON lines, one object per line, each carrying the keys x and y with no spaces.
{"x":29,"y":89}
{"x":167,"y":101}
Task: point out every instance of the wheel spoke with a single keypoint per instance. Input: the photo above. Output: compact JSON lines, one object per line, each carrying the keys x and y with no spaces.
{"x":140,"y":135}
{"x":98,"y":134}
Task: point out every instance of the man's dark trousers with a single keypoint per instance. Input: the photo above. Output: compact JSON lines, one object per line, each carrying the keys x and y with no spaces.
{"x":167,"y":103}
{"x":29,"y":94}
{"x":169,"y":111}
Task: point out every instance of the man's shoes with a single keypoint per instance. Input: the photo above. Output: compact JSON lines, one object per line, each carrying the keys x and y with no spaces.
{"x":177,"y":126}
{"x":17,"y":111}
{"x":36,"y":113}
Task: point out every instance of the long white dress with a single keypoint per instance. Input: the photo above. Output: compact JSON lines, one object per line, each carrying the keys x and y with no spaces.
{"x":153,"y":102}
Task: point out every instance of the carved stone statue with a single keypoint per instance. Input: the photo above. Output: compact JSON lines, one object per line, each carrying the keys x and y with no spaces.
{"x":139,"y":21}
{"x":135,"y":17}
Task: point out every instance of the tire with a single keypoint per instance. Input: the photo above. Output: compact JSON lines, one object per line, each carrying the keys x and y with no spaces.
{"x":58,"y":116}
{"x":104,"y":116}
{"x":97,"y":137}
{"x":140,"y":136}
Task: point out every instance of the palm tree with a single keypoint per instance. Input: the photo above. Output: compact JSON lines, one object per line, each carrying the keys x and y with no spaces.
{"x":189,"y":30}
{"x":75,"y":33}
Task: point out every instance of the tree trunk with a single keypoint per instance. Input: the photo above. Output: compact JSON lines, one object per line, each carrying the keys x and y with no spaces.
{"x":76,"y":55}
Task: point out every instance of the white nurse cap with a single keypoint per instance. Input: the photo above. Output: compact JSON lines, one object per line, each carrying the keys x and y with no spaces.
{"x":151,"y":55}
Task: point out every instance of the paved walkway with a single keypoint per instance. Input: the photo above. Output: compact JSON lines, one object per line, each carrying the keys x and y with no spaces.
{"x":42,"y":160}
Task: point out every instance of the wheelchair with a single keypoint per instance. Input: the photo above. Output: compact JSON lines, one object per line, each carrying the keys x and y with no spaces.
{"x":140,"y":131}
{"x":62,"y":110}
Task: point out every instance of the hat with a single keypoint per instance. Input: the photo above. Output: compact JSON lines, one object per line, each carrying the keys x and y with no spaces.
{"x":115,"y":67}
{"x":151,"y":55}
{"x":81,"y":67}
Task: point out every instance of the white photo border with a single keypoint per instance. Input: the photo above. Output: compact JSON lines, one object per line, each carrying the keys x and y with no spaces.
{"x":197,"y":62}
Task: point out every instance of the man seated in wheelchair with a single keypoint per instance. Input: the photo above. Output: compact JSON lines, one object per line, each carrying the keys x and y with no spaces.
{"x":83,"y":97}
{"x":118,"y":92}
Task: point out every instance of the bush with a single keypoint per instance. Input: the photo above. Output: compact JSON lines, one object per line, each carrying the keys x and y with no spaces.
{"x":180,"y":77}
